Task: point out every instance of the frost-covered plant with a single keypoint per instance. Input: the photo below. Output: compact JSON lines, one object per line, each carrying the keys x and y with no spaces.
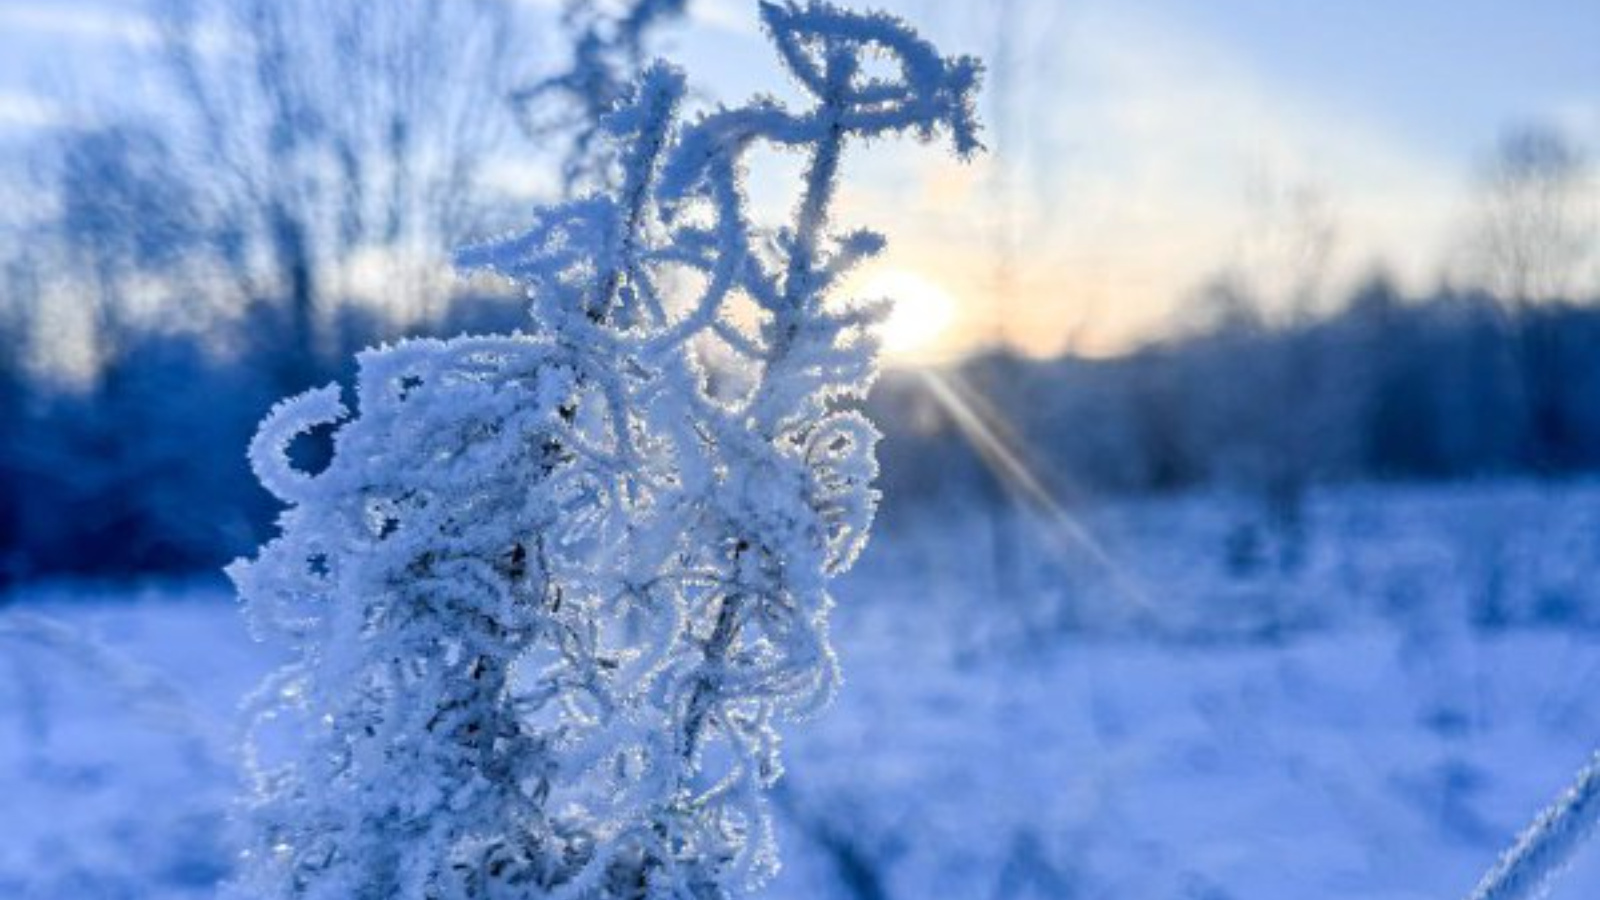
{"x":554,"y":590}
{"x":1527,"y":870}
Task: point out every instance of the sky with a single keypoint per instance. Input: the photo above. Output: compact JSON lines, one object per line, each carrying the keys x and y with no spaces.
{"x":1142,"y":147}
{"x":1138,"y":148}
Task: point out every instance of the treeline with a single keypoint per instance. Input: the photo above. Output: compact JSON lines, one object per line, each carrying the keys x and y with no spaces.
{"x":1453,"y":385}
{"x":141,"y":469}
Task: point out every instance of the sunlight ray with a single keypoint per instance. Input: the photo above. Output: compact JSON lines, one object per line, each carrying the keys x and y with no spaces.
{"x":1001,"y":450}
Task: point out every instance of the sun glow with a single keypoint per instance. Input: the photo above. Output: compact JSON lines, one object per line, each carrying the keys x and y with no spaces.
{"x":920,"y":320}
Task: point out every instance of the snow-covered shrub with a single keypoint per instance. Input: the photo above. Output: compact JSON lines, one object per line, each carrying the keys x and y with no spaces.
{"x":554,"y":589}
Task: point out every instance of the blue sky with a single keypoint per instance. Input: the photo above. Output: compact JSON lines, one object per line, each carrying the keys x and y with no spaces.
{"x":1441,"y":72}
{"x":1150,"y":143}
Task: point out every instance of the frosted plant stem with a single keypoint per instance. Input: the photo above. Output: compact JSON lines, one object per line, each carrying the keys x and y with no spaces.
{"x":821,"y":176}
{"x":799,"y":291}
{"x":1526,"y":871}
{"x":722,"y":635}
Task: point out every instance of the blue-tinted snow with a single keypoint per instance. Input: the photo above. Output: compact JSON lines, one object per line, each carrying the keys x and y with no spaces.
{"x":1355,"y":726}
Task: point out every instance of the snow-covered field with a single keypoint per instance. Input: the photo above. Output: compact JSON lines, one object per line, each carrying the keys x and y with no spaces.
{"x":1167,"y":700}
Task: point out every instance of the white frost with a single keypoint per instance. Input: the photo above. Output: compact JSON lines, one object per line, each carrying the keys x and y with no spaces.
{"x":554,"y":590}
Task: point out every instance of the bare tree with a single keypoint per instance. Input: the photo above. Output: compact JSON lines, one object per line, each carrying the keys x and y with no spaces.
{"x":1271,"y":440}
{"x":1537,"y":224}
{"x":339,"y":149}
{"x":1536,"y":233}
{"x":123,"y":213}
{"x":1286,"y":252}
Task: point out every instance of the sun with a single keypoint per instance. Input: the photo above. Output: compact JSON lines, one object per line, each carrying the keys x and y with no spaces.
{"x":920,"y":319}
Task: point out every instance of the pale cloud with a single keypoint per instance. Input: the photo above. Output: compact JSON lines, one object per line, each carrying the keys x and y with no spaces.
{"x":517,"y":178}
{"x":1578,"y":118}
{"x":1184,"y":133}
{"x":77,"y":21}
{"x":22,"y":110}
{"x":735,"y":16}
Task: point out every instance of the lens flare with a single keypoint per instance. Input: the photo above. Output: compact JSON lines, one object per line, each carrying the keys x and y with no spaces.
{"x":1002,"y":452}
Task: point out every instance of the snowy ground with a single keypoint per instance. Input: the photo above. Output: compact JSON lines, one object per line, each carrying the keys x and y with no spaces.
{"x":1193,"y":709}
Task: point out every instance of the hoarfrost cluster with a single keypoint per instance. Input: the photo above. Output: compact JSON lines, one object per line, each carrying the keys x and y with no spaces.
{"x":554,"y":590}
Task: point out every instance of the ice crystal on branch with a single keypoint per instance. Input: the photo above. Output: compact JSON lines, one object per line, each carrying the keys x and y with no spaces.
{"x":555,"y":590}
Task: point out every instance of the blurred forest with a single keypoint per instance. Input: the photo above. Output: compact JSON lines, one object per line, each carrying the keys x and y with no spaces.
{"x":296,"y":200}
